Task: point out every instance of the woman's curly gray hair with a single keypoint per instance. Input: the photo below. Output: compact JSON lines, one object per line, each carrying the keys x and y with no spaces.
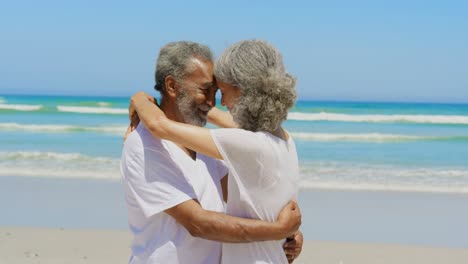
{"x":267,"y":90}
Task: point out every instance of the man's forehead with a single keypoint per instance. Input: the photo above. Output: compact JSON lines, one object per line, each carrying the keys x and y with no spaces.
{"x":202,"y":71}
{"x":201,"y":63}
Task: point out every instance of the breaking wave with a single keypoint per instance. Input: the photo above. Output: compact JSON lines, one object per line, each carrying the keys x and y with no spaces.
{"x":424,"y":119}
{"x":335,"y":175}
{"x":372,"y":137}
{"x":109,"y":129}
{"x":92,"y":110}
{"x":60,"y":165}
{"x":20,"y":107}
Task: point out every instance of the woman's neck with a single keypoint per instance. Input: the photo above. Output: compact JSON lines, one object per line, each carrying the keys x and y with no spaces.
{"x":281,"y":133}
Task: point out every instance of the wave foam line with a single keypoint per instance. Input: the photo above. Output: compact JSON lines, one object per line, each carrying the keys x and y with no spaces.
{"x":60,"y":165}
{"x":111,"y":129}
{"x":62,"y":173}
{"x":317,"y":175}
{"x":20,"y":107}
{"x":351,"y":176}
{"x":103,"y":104}
{"x":92,"y":110}
{"x":38,"y":155}
{"x":372,"y":137}
{"x":119,"y":130}
{"x":426,"y":119}
{"x":346,"y":186}
{"x":322,"y":170}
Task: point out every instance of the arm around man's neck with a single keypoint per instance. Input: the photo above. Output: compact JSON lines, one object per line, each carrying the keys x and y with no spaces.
{"x":221,"y":118}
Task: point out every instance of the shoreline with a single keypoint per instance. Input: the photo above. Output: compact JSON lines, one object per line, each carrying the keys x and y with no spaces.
{"x":416,"y":219}
{"x":96,"y":246}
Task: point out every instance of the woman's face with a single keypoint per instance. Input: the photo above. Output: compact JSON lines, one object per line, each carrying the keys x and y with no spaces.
{"x":229,"y":94}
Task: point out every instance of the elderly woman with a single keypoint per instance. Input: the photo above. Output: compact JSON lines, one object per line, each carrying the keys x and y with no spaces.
{"x":260,"y":154}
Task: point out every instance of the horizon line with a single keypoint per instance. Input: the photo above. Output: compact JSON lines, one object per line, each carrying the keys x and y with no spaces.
{"x":324,"y":100}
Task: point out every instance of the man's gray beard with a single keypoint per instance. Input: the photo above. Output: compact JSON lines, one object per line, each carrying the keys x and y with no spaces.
{"x":189,"y":110}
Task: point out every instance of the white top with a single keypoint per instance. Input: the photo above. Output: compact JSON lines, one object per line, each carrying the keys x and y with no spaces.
{"x":263,"y":178}
{"x":158,"y":175}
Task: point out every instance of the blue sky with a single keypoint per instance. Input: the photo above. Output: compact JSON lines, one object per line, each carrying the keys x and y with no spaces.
{"x":338,"y":50}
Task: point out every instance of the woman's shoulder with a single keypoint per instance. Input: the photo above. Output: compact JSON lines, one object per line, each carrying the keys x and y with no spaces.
{"x":238,"y":140}
{"x":234,"y":132}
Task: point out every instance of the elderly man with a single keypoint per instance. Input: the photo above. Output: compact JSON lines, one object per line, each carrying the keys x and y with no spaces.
{"x":175,"y":196}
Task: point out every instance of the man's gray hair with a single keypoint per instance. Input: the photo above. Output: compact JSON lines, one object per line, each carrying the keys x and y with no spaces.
{"x":174,"y":59}
{"x":267,"y":90}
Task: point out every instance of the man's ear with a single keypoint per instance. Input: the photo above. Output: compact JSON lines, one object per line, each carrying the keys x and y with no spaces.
{"x":170,"y":86}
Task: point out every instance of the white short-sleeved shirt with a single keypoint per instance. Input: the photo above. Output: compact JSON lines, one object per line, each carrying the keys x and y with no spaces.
{"x":263,"y":178}
{"x":158,"y":175}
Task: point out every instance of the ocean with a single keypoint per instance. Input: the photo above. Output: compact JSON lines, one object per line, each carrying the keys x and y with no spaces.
{"x":370,"y":172}
{"x":417,"y":147}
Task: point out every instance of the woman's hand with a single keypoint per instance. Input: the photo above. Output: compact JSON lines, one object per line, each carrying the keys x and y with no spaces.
{"x":293,"y":246}
{"x":290,"y":218}
{"x":135,"y":120}
{"x":132,"y":112}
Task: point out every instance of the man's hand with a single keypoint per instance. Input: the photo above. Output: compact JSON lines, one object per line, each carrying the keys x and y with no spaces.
{"x":293,"y":246}
{"x":290,"y":218}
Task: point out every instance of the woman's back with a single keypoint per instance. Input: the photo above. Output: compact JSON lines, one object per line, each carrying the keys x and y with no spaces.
{"x":263,"y":177}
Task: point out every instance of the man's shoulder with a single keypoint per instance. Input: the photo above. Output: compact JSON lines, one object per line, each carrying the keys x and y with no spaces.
{"x":141,"y":138}
{"x":141,"y":147}
{"x":141,"y":150}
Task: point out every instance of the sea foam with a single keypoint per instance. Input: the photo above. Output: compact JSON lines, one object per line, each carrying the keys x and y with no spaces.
{"x":92,"y":110}
{"x":103,"y":104}
{"x":347,"y":186}
{"x":119,"y":130}
{"x":45,"y":128}
{"x":372,"y":137}
{"x":314,"y":175}
{"x":60,"y":165}
{"x":352,"y":176}
{"x":427,"y":119}
{"x":20,"y":107}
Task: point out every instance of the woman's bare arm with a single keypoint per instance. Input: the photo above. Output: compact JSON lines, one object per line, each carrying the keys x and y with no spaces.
{"x":198,"y":139}
{"x":221,"y":118}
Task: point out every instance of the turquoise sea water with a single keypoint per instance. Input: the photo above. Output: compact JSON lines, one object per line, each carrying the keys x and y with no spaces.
{"x":341,"y":145}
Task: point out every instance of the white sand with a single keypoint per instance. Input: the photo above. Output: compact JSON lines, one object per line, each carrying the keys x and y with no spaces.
{"x":58,"y":246}
{"x":354,"y":253}
{"x":54,"y":246}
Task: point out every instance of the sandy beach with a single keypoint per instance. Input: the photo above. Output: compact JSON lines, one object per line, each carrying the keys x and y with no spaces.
{"x":73,"y":246}
{"x":84,"y":221}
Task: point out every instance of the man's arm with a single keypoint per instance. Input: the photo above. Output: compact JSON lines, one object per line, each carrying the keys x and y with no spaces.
{"x":225,"y":228}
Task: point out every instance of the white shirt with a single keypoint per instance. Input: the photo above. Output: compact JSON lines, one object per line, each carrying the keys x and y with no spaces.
{"x":263,"y":178}
{"x":158,"y":175}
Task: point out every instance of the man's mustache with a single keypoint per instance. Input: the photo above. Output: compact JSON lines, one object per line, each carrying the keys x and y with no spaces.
{"x":205,"y":107}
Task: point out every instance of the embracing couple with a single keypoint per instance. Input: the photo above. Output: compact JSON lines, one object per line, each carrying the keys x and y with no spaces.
{"x":226,"y":195}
